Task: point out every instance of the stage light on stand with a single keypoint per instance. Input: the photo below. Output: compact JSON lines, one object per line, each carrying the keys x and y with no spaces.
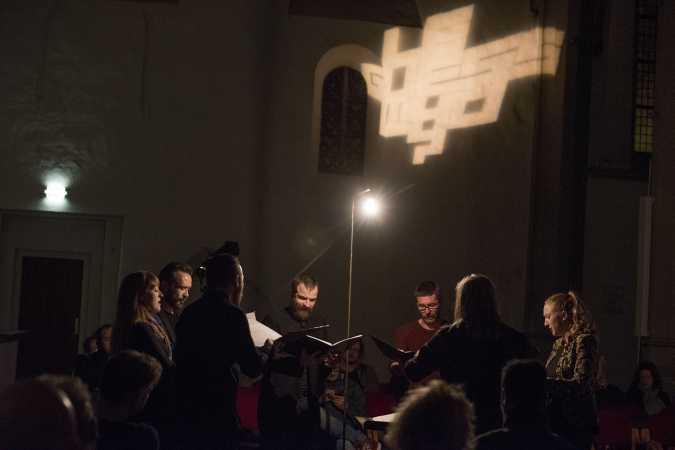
{"x":370,"y":207}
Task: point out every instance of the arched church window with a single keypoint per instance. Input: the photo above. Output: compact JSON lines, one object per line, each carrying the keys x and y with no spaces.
{"x":344,"y":103}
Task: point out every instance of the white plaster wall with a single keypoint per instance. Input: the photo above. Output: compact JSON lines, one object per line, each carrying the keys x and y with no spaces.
{"x":467,"y":210}
{"x":174,"y":151}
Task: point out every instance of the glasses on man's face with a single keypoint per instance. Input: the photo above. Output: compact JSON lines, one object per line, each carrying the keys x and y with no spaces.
{"x":428,"y":307}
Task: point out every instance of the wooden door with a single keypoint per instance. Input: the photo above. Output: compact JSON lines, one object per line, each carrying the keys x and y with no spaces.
{"x":50,"y":297}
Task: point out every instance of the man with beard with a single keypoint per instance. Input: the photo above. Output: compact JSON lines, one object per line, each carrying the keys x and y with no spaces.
{"x":288,"y":405}
{"x":413,"y":335}
{"x":175,"y":282}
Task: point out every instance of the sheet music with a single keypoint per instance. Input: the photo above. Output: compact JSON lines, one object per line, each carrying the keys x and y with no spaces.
{"x":259,"y":331}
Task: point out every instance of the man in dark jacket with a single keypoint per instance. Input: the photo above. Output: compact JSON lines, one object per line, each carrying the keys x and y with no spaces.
{"x":212,"y":336}
{"x":175,"y":282}
{"x":288,"y":408}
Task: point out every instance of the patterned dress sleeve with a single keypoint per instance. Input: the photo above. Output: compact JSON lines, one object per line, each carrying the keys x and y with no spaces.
{"x":576,"y":368}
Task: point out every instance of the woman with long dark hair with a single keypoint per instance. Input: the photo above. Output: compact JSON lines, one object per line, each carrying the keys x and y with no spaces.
{"x":473,"y":350}
{"x":572,"y":369}
{"x":138,"y":328}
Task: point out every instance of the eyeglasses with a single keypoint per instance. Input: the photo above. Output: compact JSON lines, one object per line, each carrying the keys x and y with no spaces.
{"x":428,"y":307}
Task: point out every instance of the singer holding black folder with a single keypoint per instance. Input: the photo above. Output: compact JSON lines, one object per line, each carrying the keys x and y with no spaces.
{"x":288,"y":406}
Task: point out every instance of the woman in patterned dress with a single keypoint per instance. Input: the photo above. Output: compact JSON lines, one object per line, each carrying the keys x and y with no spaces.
{"x":572,"y":368}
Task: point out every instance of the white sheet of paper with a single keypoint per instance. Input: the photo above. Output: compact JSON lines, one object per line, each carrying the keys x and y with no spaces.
{"x":260,"y":332}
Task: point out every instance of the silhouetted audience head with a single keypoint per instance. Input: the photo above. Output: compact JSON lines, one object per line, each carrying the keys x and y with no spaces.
{"x":79,"y":396}
{"x":137,"y":301}
{"x":104,"y":338}
{"x":224,"y":273}
{"x":35,"y":415}
{"x":128,"y":379}
{"x":476,"y":303}
{"x":89,"y":345}
{"x":523,"y":391}
{"x":647,"y":376}
{"x":437,"y":416}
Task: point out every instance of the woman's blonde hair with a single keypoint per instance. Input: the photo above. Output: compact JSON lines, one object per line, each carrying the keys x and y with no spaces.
{"x":571,"y":304}
{"x":131,"y":308}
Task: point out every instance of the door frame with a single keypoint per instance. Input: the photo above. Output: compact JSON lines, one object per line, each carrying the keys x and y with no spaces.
{"x":100,"y":276}
{"x":85,"y":297}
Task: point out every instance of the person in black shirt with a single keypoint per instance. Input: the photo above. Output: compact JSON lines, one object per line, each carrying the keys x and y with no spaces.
{"x":288,"y":413}
{"x":175,"y":282}
{"x":128,"y":379}
{"x":473,"y":350}
{"x":212,"y":337}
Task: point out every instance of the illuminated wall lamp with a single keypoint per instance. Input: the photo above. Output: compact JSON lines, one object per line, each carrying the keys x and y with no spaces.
{"x":55,"y":192}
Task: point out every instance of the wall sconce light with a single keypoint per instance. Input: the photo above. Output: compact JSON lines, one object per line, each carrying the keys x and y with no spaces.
{"x":56,"y":192}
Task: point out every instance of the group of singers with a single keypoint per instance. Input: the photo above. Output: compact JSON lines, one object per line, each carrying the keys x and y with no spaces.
{"x":205,"y":346}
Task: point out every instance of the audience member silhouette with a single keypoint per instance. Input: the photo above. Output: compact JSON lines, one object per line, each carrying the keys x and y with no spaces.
{"x":35,"y":415}
{"x":90,"y":367}
{"x":89,"y":346}
{"x":572,"y":369}
{"x":524,"y":412}
{"x":213,"y":336}
{"x":437,"y":416}
{"x":646,"y":390}
{"x":79,"y":396}
{"x":128,"y":379}
{"x":473,"y":350}
{"x":362,"y":379}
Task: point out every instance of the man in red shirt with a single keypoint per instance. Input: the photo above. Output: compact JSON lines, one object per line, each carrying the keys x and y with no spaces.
{"x":413,"y":335}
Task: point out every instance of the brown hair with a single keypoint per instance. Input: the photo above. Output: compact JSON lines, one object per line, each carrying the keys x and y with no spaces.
{"x":168,"y":272}
{"x":127,"y":373}
{"x":78,"y":394}
{"x":309,"y":281}
{"x":573,"y":306}
{"x":130,"y":307}
{"x":476,"y":304}
{"x":426,"y":288}
{"x":451,"y":429}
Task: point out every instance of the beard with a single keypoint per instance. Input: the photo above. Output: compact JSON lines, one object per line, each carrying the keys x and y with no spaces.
{"x":300,"y":313}
{"x":429,"y":319}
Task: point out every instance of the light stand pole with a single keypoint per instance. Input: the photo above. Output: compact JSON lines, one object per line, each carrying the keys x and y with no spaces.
{"x":350,"y":264}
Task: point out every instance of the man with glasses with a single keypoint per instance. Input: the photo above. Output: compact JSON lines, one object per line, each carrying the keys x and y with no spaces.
{"x":413,"y":335}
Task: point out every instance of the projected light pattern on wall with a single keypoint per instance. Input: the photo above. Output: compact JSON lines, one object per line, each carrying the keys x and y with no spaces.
{"x":442,"y":85}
